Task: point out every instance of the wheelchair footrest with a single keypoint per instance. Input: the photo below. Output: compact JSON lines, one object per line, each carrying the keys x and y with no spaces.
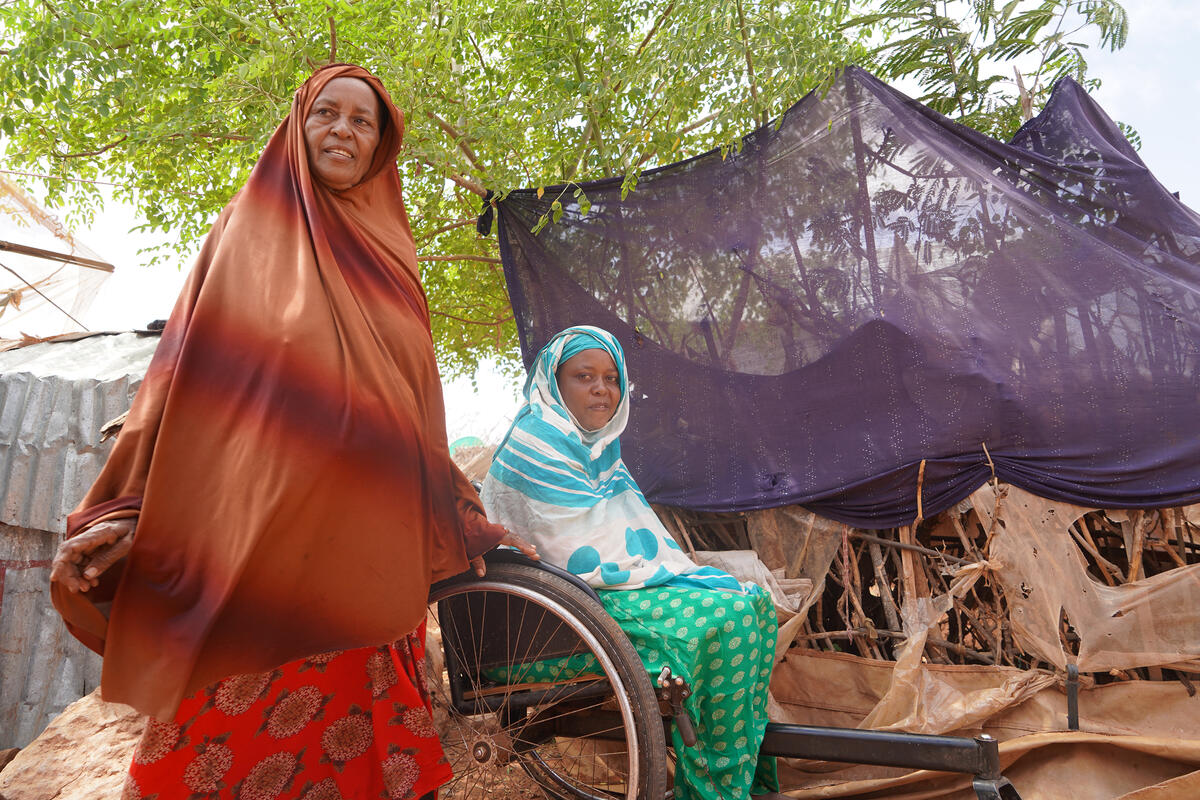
{"x":673,"y":691}
{"x":979,"y":757}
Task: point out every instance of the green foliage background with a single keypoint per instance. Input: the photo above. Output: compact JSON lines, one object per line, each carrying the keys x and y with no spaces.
{"x":174,"y":100}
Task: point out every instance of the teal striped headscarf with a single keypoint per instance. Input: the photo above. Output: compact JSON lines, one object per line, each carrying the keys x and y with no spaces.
{"x":567,"y":490}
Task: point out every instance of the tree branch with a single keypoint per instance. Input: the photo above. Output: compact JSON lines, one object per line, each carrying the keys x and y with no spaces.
{"x":483,"y":259}
{"x":460,"y":141}
{"x":90,"y":153}
{"x":583,"y":148}
{"x":958,"y":88}
{"x":657,"y":24}
{"x":699,"y":123}
{"x":486,"y":323}
{"x":462,"y":223}
{"x":478,"y":52}
{"x":1037,"y":74}
{"x":282,"y":22}
{"x":47,"y":177}
{"x":590,"y":110}
{"x":1024,"y":98}
{"x":619,"y":85}
{"x":590,"y":129}
{"x":332,"y":41}
{"x":682,"y":132}
{"x":231,"y":137}
{"x":749,"y":59}
{"x":466,"y":183}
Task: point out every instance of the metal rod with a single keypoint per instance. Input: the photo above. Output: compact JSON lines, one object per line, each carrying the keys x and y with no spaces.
{"x":50,"y":255}
{"x":1072,"y":697}
{"x":45,"y":297}
{"x":979,"y":757}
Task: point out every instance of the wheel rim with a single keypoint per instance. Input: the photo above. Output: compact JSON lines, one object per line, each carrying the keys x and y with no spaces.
{"x":500,"y":754}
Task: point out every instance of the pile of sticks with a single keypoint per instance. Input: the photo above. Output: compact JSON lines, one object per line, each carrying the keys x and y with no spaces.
{"x":874,"y":571}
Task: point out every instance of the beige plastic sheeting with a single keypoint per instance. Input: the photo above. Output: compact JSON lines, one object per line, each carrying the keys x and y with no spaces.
{"x":1149,"y":622}
{"x":802,"y":545}
{"x":1139,"y":740}
{"x":788,"y":594}
{"x":917,"y":701}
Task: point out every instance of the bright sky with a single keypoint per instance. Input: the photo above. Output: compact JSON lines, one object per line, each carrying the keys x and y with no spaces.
{"x":1152,"y":84}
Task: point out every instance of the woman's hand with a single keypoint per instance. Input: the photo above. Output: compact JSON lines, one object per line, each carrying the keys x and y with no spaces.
{"x":511,"y":540}
{"x":82,"y":559}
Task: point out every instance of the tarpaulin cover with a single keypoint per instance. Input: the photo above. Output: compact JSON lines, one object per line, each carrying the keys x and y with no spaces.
{"x":865,"y":286}
{"x":48,"y":278}
{"x":1137,"y":739}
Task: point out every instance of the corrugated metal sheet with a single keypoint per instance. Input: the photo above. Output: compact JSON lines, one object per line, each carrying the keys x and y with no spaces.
{"x":43,"y":669}
{"x":54,"y":397}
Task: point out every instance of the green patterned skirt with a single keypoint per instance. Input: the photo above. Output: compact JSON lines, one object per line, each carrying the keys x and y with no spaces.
{"x":723,"y":644}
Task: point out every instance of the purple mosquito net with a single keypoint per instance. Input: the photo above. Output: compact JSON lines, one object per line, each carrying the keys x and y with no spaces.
{"x":868,"y":307}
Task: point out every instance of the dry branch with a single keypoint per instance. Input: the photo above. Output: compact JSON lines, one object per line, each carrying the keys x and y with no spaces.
{"x":875,"y":573}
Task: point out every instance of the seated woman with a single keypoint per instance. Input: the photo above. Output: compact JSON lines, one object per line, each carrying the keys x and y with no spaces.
{"x":559,"y":481}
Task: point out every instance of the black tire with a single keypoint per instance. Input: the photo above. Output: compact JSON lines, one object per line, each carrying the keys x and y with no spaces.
{"x":595,"y":736}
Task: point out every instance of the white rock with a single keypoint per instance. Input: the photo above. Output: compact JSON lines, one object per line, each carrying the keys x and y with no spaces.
{"x":84,"y":754}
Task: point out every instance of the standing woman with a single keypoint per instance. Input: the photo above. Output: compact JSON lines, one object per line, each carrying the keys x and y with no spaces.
{"x":254,"y":559}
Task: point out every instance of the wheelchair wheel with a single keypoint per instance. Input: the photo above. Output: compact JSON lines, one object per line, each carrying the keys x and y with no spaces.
{"x":541,"y":693}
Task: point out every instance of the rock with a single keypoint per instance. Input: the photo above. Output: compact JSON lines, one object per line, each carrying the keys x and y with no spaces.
{"x":7,"y":756}
{"x":83,"y":755}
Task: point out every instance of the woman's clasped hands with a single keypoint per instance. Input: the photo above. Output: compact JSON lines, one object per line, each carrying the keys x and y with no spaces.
{"x":82,"y":559}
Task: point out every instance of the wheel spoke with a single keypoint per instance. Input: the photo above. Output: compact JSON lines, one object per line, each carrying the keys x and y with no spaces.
{"x":525,"y":753}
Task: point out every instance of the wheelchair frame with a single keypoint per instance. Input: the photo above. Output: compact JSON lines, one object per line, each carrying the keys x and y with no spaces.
{"x":517,"y":729}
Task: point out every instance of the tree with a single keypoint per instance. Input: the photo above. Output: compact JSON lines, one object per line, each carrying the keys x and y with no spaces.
{"x":174,"y":100}
{"x":987,"y":64}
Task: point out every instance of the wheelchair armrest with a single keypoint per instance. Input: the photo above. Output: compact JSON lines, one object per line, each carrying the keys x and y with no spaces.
{"x":505,"y":555}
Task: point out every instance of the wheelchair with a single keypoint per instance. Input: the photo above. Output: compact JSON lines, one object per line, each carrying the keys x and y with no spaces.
{"x":541,"y":695}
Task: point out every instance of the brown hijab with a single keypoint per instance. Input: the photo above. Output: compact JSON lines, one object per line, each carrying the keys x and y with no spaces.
{"x":286,"y":454}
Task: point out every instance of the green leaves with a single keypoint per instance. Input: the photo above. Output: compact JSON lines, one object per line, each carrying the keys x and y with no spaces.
{"x":629,"y":182}
{"x":175,"y":100}
{"x":963,"y":55}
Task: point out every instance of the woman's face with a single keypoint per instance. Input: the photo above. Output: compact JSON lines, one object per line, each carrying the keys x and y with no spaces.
{"x":591,"y":387}
{"x":341,"y":132}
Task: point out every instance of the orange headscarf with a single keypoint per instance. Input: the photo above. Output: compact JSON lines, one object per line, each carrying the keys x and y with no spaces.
{"x":286,"y":454}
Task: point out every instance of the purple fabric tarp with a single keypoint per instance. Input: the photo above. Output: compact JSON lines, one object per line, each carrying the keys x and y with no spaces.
{"x":868,"y":286}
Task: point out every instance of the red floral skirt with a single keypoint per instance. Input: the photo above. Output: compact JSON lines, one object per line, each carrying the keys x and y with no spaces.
{"x":338,"y":726}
